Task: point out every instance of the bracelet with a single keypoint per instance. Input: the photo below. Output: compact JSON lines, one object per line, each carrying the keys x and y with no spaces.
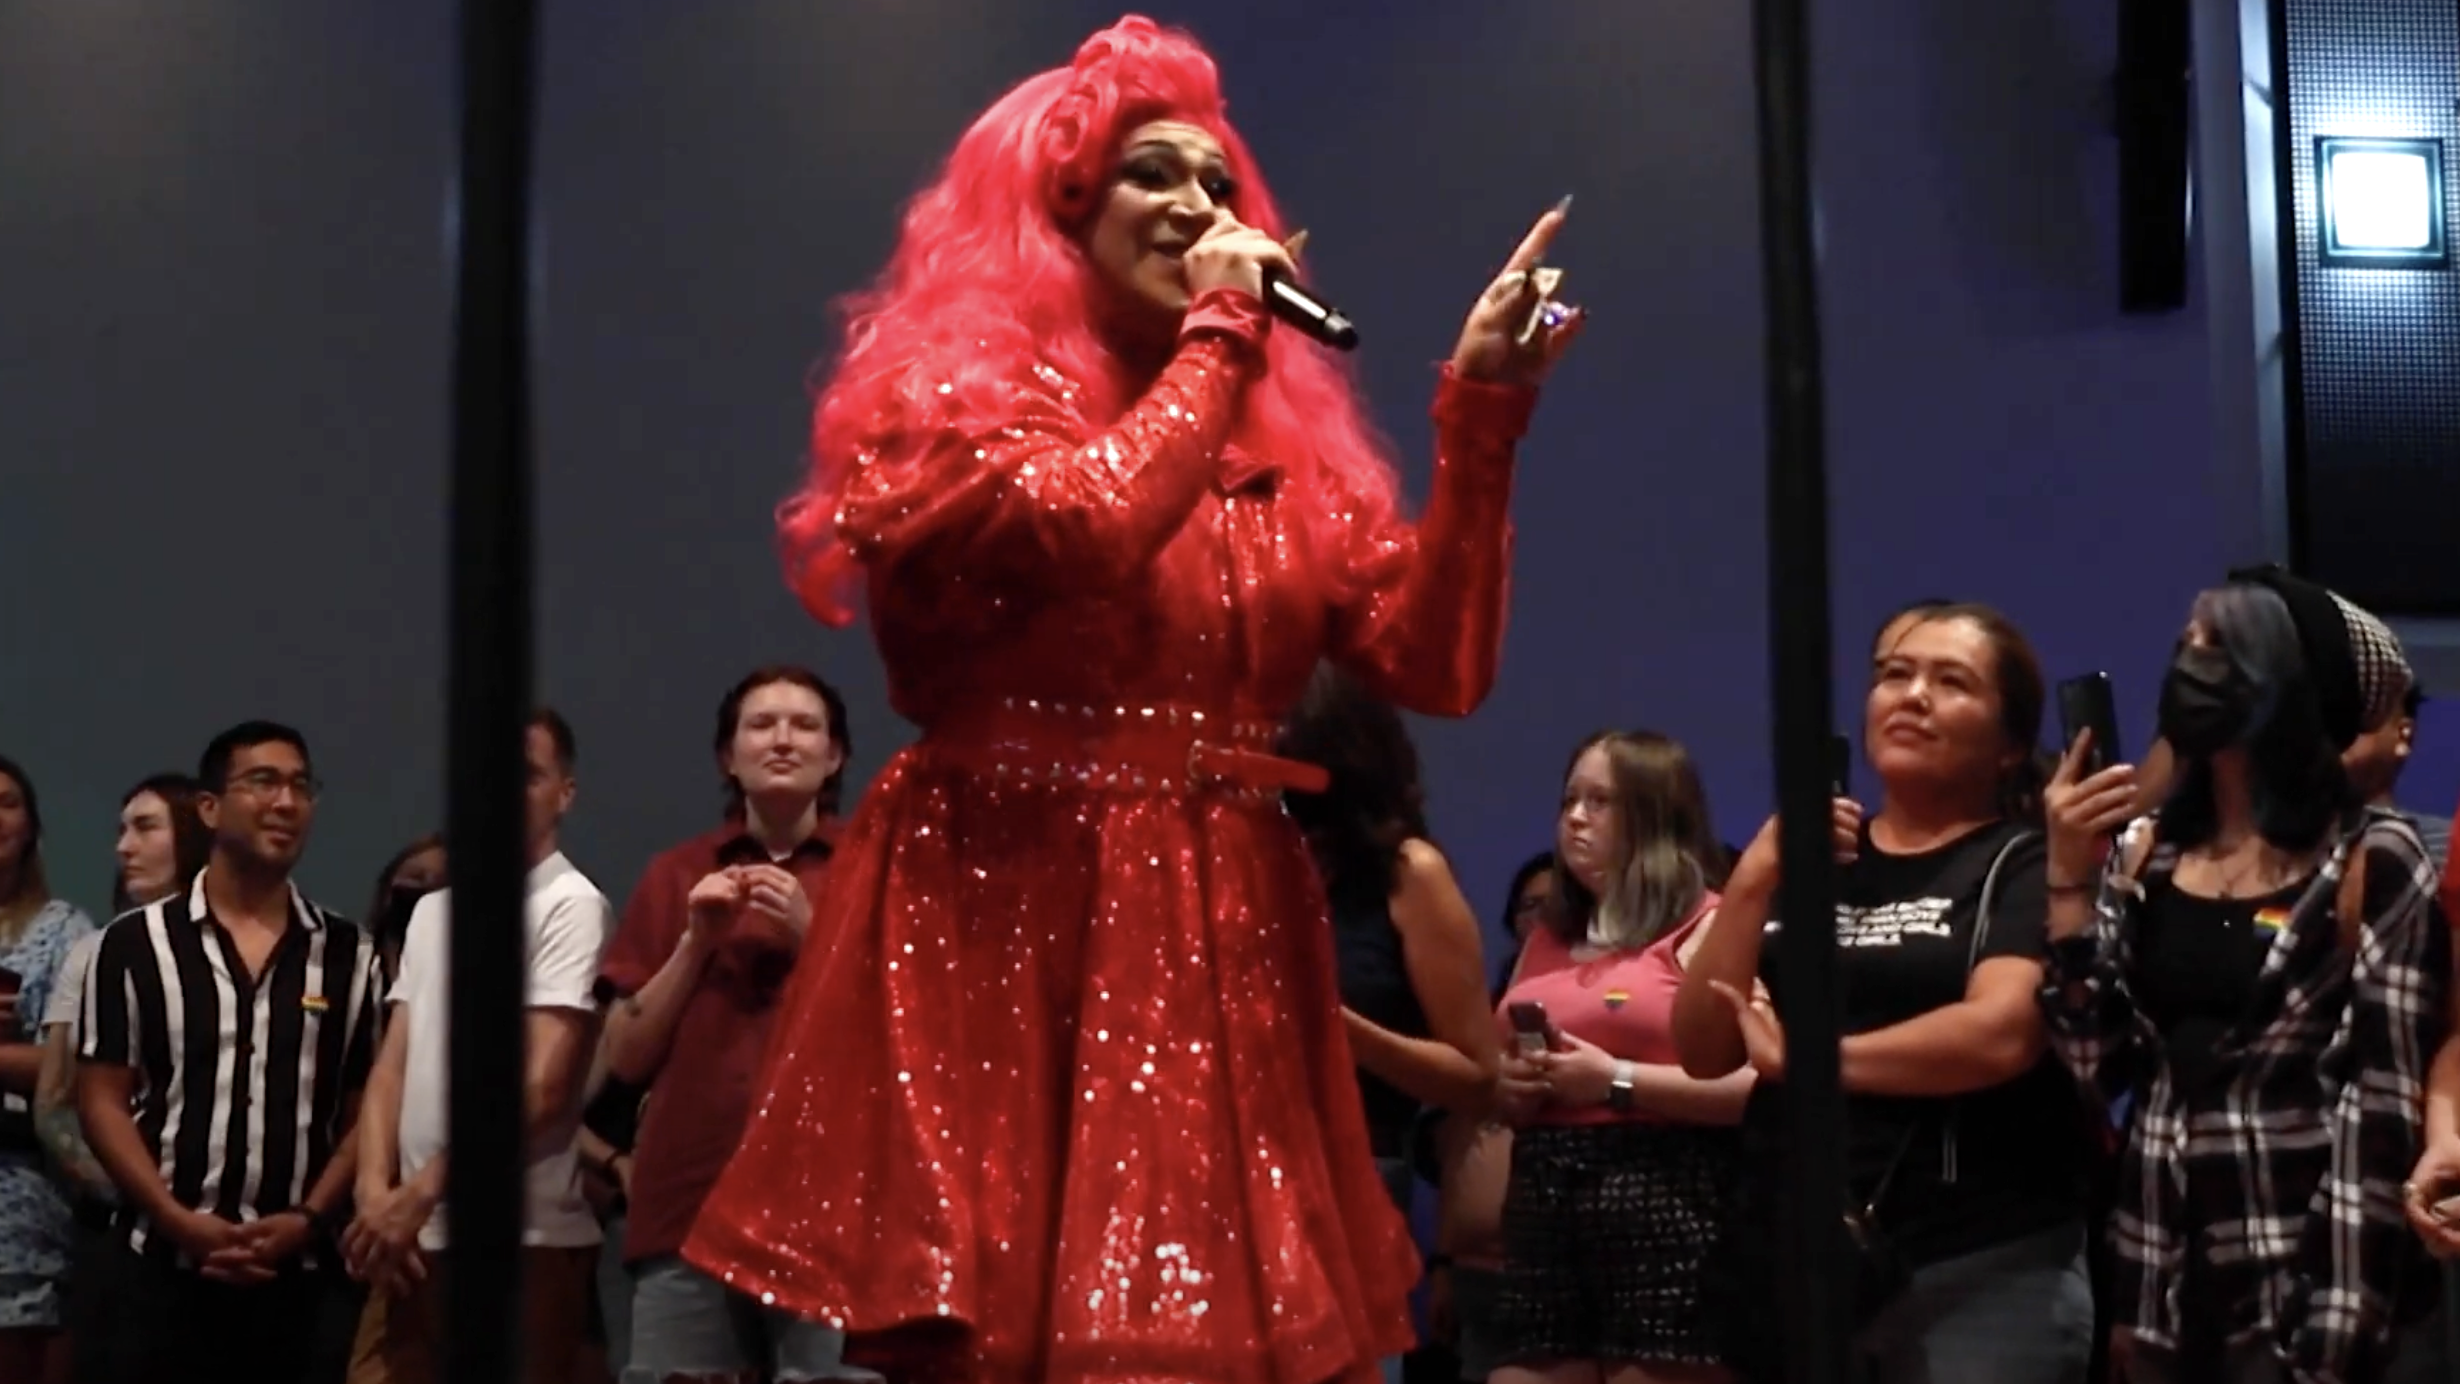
{"x":2056,"y":889}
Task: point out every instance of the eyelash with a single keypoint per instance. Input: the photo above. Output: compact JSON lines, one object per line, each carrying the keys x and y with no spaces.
{"x":1154,"y":177}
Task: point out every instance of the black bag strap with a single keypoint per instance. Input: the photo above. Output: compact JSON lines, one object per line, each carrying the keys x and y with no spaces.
{"x":1983,"y":909}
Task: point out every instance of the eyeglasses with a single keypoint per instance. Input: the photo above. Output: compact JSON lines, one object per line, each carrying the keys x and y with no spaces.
{"x":267,"y":783}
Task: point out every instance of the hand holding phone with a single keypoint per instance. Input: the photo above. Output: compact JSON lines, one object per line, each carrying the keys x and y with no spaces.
{"x":2086,"y":704}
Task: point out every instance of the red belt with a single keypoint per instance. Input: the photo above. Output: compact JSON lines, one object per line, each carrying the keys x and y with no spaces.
{"x":1147,"y":749}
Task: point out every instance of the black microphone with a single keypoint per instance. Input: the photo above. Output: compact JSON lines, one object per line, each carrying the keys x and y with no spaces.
{"x":1297,"y":304}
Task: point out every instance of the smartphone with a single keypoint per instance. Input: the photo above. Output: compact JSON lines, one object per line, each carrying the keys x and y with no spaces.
{"x":1529,"y":1027}
{"x":2085,"y":703}
{"x":1840,"y":767}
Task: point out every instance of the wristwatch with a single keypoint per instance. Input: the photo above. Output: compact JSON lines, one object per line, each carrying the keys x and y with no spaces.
{"x":1619,"y":1091}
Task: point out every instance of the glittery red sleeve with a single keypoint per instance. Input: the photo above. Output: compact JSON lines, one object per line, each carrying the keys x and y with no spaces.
{"x":1038,"y":501}
{"x":1425,"y":628}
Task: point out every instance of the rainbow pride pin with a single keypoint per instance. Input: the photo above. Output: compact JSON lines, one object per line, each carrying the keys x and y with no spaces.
{"x":2272,"y":919}
{"x":1616,"y":999}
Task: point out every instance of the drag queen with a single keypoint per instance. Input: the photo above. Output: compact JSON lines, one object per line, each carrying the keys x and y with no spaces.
{"x":1060,"y":1092}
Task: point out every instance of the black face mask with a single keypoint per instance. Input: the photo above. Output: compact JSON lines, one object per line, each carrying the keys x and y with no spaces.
{"x":2206,"y":702}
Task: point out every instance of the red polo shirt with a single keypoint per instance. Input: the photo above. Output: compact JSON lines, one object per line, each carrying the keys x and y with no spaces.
{"x":701,"y":1098}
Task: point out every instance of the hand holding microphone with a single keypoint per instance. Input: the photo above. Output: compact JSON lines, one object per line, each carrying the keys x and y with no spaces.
{"x":1231,"y":255}
{"x":1253,"y":262}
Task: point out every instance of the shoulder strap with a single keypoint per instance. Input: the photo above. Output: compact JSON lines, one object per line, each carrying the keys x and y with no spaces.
{"x":2349,"y":908}
{"x":1983,"y":908}
{"x":1990,"y":894}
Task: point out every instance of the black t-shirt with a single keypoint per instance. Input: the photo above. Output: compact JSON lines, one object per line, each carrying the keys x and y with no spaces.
{"x":1979,"y":1169}
{"x":2196,"y":964}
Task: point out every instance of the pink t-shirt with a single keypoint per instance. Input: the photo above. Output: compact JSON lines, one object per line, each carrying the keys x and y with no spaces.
{"x":1623,"y":1001}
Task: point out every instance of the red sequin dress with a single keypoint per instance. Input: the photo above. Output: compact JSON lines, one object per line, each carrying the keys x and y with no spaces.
{"x":1067,"y":1098}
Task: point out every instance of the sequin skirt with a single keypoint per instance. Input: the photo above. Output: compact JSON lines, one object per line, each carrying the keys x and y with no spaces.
{"x":1605,"y":1230}
{"x":1059,"y":1093}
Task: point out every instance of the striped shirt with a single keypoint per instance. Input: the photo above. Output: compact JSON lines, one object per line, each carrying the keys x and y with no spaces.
{"x":243,"y":1084}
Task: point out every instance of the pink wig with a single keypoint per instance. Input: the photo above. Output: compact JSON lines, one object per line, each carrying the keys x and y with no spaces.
{"x":989,"y":279}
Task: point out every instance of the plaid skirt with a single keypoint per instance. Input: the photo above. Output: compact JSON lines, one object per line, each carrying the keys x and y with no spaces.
{"x":1605,"y":1228}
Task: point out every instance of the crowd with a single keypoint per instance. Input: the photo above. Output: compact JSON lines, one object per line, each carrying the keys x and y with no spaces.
{"x":2141,"y":1058}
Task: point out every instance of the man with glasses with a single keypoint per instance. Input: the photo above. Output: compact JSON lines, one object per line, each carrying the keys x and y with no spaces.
{"x":227,"y":1031}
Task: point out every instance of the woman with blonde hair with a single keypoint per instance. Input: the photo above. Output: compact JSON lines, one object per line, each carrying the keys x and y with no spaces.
{"x":1621,"y":1163}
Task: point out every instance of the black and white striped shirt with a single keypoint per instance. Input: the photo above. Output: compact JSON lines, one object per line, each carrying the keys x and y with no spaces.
{"x":242,"y":1086}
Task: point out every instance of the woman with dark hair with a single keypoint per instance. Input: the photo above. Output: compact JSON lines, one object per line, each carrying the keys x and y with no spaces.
{"x":1620,"y":1161}
{"x":351,"y":1329}
{"x":1525,"y":902}
{"x":1965,"y":1149}
{"x":1413,"y":991}
{"x":162,"y":844}
{"x":1412,"y":983}
{"x":2256,"y":967}
{"x":37,"y":931}
{"x":1112,"y":518}
{"x":414,"y":872}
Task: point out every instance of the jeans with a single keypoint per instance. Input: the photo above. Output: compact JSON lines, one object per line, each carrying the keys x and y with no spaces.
{"x":2018,"y":1313}
{"x":686,"y":1323}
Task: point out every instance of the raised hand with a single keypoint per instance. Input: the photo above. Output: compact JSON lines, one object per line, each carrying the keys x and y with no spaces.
{"x":1495,"y":342}
{"x":2083,"y":811}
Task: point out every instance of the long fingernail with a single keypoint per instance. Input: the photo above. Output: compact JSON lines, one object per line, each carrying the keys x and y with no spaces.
{"x":1294,"y":244}
{"x":1564,"y":207}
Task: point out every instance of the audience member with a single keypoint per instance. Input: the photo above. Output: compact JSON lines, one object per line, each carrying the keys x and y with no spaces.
{"x":1622,"y":1163}
{"x":2256,"y":967}
{"x":1413,"y":983}
{"x":226,"y":1035}
{"x":162,"y":844}
{"x":398,"y":1243}
{"x":694,"y":975}
{"x":37,"y":931}
{"x":1964,"y":1146}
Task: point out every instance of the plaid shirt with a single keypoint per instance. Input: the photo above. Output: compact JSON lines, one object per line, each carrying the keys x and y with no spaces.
{"x":2285,"y":1175}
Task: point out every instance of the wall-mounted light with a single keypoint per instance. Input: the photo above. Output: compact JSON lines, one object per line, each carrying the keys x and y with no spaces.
{"x":2381,"y":202}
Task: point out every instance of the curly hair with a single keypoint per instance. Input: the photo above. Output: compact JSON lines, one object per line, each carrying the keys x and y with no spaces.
{"x":989,"y":281}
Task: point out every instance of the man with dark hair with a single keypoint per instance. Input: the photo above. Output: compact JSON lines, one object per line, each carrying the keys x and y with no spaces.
{"x":401,"y":1232}
{"x":231,"y":1155}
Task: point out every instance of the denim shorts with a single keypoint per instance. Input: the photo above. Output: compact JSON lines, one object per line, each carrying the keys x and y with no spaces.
{"x":686,"y":1323}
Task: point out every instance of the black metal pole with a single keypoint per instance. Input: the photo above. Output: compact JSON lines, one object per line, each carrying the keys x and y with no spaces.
{"x":1798,"y":622}
{"x":490,"y":689}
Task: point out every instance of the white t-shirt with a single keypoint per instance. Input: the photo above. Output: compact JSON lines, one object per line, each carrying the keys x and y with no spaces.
{"x":569,"y":921}
{"x":67,"y":998}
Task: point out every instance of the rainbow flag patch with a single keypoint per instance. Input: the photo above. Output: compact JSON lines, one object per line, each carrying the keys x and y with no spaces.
{"x":314,"y":1004}
{"x":1616,"y":999}
{"x":2272,"y":919}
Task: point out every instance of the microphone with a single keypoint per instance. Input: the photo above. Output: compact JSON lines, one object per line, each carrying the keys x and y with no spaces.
{"x":1299,"y":306}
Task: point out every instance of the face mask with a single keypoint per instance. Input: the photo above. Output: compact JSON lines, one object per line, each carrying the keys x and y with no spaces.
{"x":2205,"y":702}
